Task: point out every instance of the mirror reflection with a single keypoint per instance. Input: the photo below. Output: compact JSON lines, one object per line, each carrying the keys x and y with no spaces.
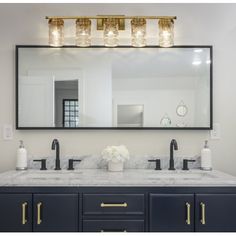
{"x":114,"y":87}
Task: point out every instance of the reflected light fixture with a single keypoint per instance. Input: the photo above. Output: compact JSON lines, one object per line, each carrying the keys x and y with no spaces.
{"x":83,"y":32}
{"x":56,"y":32}
{"x":110,"y":32}
{"x":166,"y":32}
{"x":138,"y":32}
{"x":197,"y":63}
{"x":198,"y":50}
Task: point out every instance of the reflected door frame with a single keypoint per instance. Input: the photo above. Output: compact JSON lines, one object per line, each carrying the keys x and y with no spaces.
{"x":59,"y":74}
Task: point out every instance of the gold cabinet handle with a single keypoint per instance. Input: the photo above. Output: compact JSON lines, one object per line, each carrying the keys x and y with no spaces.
{"x":203,"y":213}
{"x":114,"y":204}
{"x":39,"y":220}
{"x":188,"y":208}
{"x":23,"y":207}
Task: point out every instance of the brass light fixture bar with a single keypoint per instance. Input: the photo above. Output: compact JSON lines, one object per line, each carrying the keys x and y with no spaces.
{"x":110,"y":16}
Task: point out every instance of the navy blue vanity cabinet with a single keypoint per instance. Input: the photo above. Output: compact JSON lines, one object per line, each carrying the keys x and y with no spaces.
{"x":55,"y":212}
{"x":171,"y":212}
{"x":215,"y":212}
{"x":15,"y":212}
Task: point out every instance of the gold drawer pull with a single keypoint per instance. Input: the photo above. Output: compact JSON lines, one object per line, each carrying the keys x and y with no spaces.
{"x":114,"y":204}
{"x":39,"y":220}
{"x":203,"y":213}
{"x":188,"y":208}
{"x":23,"y":207}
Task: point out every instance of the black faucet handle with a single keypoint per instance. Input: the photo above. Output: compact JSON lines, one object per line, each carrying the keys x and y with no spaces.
{"x":71,"y":163}
{"x":158,"y":163}
{"x":185,"y":163}
{"x":43,"y":164}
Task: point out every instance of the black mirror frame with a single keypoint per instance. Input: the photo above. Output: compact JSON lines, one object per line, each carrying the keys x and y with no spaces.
{"x":111,"y":128}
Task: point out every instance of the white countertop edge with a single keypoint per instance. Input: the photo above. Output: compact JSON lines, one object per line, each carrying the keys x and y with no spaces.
{"x":103,"y":178}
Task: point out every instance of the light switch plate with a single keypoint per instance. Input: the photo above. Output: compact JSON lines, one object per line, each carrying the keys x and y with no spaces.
{"x":215,"y":132}
{"x":7,"y":132}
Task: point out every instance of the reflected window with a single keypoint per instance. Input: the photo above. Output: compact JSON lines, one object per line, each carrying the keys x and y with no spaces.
{"x":70,"y":113}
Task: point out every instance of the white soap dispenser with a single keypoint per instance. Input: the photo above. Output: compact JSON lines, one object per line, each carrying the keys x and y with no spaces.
{"x":206,"y":163}
{"x":21,"y":161}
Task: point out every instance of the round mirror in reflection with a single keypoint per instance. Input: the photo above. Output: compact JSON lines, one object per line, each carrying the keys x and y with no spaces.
{"x":182,"y":109}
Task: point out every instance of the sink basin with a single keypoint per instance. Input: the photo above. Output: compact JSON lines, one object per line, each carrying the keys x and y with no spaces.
{"x":52,"y":175}
{"x":182,"y":175}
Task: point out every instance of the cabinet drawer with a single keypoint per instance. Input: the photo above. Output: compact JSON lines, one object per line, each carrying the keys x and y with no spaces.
{"x":94,"y":204}
{"x":113,"y":226}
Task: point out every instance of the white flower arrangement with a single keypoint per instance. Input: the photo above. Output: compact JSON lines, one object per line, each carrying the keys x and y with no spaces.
{"x":115,"y":154}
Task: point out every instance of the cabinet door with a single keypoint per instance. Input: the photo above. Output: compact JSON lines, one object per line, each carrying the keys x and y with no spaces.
{"x":171,"y":212}
{"x":15,"y":212}
{"x":55,"y":212}
{"x":215,"y":212}
{"x":113,"y":225}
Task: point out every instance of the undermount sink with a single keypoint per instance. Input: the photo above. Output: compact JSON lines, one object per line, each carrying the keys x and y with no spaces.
{"x":57,"y":175}
{"x":181,"y":175}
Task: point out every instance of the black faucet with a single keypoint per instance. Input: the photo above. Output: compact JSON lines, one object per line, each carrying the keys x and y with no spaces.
{"x":55,"y":145}
{"x":173,"y":146}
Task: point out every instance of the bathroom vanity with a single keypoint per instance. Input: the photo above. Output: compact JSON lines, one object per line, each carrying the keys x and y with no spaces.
{"x":95,"y":200}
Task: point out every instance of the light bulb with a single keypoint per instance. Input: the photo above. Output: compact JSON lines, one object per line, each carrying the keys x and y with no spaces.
{"x":166,"y":32}
{"x":56,"y":32}
{"x":83,"y":32}
{"x":111,"y":32}
{"x":138,"y":32}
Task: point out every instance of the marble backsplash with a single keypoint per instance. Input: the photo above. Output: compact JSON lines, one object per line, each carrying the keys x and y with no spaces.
{"x":96,"y":162}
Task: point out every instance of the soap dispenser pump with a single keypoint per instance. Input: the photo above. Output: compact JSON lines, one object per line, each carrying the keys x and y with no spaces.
{"x":21,"y":161}
{"x":206,"y":162}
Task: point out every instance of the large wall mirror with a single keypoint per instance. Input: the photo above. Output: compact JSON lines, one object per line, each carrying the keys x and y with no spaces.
{"x":123,"y":88}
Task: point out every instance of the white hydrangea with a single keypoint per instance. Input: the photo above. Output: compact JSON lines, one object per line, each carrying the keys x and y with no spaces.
{"x":115,"y":153}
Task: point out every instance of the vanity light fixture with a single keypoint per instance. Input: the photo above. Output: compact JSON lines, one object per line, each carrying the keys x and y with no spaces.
{"x":166,"y":32}
{"x":111,"y":24}
{"x":138,"y":32}
{"x":56,"y":32}
{"x":83,"y":32}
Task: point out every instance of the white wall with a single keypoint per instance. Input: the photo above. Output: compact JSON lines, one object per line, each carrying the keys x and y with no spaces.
{"x":196,"y":24}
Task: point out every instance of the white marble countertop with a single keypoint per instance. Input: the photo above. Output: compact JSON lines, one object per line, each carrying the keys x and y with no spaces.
{"x":129,"y":177}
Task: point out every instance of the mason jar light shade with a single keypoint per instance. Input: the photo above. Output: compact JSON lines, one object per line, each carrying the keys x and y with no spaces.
{"x":83,"y":32}
{"x":166,"y":32}
{"x":111,"y":32}
{"x":56,"y":32}
{"x":138,"y":32}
